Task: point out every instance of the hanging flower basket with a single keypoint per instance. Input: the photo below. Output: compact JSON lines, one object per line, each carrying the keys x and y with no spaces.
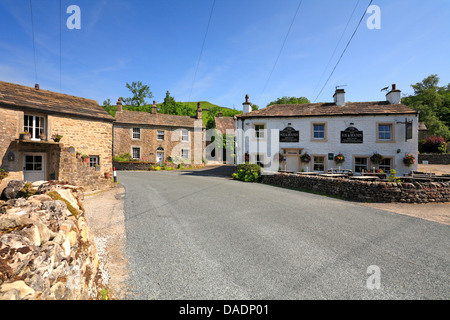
{"x":306,"y":158}
{"x":409,"y":160}
{"x":376,"y":158}
{"x":339,"y":158}
{"x":247,"y":157}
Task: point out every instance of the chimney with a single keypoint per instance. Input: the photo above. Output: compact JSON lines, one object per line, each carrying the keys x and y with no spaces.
{"x":36,"y":86}
{"x":119,"y":105}
{"x":394,"y":96}
{"x":247,"y":106}
{"x":154,"y":108}
{"x":220,"y":114}
{"x":339,"y":97}
{"x":199,"y":111}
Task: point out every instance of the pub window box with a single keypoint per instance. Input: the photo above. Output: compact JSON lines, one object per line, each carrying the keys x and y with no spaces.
{"x":25,"y":136}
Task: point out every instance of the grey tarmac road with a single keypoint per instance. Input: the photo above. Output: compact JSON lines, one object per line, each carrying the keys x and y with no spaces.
{"x":191,"y":235}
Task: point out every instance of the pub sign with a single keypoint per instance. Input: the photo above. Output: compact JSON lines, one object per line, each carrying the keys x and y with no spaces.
{"x":351,"y":135}
{"x":289,"y":134}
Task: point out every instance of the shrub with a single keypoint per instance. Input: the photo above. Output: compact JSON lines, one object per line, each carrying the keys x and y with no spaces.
{"x":123,"y":157}
{"x":433,"y":145}
{"x":247,"y":173}
{"x":3,"y":174}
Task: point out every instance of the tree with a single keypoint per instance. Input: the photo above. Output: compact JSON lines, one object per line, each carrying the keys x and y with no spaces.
{"x":170,"y":106}
{"x":433,"y":103}
{"x":140,"y":93}
{"x":290,"y":100}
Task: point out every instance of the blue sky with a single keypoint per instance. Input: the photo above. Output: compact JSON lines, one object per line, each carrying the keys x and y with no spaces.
{"x":158,"y":42}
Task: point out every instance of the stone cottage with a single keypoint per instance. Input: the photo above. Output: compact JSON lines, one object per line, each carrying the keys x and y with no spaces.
{"x":83,"y":124}
{"x":309,"y":137}
{"x":154,"y":137}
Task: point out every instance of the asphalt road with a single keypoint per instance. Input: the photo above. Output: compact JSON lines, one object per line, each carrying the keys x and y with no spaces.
{"x":191,"y":235}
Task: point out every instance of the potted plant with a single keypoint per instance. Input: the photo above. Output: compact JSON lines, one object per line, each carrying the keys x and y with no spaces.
{"x":339,"y":158}
{"x":305,"y":157}
{"x":42,"y":137}
{"x":85,"y":158}
{"x":247,"y":157}
{"x":409,"y":160}
{"x":376,"y":158}
{"x":71,"y":150}
{"x":97,"y":167}
{"x":57,"y":137}
{"x":78,"y":155}
{"x":25,"y":136}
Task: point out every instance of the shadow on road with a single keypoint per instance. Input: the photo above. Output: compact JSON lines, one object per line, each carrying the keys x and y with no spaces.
{"x":212,"y":171}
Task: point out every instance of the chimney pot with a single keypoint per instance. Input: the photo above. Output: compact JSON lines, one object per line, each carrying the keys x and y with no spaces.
{"x":119,"y":105}
{"x":220,"y":114}
{"x":154,"y":108}
{"x":199,"y":111}
{"x":36,"y":86}
{"x":394,"y":87}
{"x":247,"y":105}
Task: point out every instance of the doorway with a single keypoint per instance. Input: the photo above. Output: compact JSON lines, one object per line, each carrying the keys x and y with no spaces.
{"x":34,"y":168}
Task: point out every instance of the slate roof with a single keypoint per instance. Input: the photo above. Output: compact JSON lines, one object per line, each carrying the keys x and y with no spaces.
{"x":224,"y":123}
{"x":17,"y":96}
{"x":329,"y":109}
{"x":157,"y":119}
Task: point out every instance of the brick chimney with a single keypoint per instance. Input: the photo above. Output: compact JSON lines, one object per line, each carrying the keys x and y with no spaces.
{"x":199,"y":111}
{"x":394,"y":96}
{"x":247,"y":106}
{"x":154,"y":108}
{"x":339,"y":97}
{"x":119,"y":105}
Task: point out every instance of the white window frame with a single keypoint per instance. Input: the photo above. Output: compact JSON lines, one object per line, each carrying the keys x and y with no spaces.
{"x":260,"y":134}
{"x":94,"y":160}
{"x":391,"y":132}
{"x":160,"y":133}
{"x":324,"y":163}
{"x":185,"y":157}
{"x":382,"y":166}
{"x":185,"y":134}
{"x":136,"y":133}
{"x":324,"y":131}
{"x":33,"y":127}
{"x":363,"y":167}
{"x":132,"y":152}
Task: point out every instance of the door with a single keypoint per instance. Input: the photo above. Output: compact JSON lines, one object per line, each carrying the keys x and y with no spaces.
{"x":160,"y":157}
{"x":292,"y":163}
{"x":34,"y":167}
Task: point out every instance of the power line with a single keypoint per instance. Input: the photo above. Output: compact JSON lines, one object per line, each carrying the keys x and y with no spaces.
{"x":282,"y":47}
{"x":337,"y":45}
{"x":345,"y":49}
{"x":34,"y":47}
{"x":201,"y":51}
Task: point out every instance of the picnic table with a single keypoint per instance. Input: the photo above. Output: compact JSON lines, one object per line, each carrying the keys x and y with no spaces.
{"x":412,"y":179}
{"x":365,"y":178}
{"x":308,"y":173}
{"x":333,"y":175}
{"x":376,"y":174}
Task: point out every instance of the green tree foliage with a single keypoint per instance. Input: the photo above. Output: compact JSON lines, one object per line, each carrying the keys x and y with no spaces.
{"x":214,"y":112}
{"x":433,"y":102}
{"x":290,"y":100}
{"x":170,"y":106}
{"x":140,"y":93}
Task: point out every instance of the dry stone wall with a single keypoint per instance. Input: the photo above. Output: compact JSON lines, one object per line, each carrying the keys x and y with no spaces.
{"x":47,"y":251}
{"x":365,"y":191}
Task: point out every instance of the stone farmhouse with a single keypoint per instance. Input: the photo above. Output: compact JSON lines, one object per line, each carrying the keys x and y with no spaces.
{"x":278,"y":137}
{"x":154,"y":137}
{"x":85,"y":128}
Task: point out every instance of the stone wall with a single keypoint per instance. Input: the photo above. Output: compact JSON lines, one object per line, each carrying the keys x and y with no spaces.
{"x":149,"y":144}
{"x":9,"y":131}
{"x":365,"y":191}
{"x":87,"y":136}
{"x":435,"y":158}
{"x":47,"y":251}
{"x":74,"y":171}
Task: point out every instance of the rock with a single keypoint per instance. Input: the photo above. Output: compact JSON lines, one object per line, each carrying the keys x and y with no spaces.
{"x":12,"y":190}
{"x":15,"y":291}
{"x":15,"y":254}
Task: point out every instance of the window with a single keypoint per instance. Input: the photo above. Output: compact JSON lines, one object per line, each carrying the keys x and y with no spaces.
{"x":184,"y":135}
{"x":34,"y":125}
{"x":319,"y":163}
{"x":361,"y":164}
{"x":33,"y":163}
{"x":259,"y":131}
{"x":160,"y":135}
{"x":385,"y":132}
{"x":136,"y":134}
{"x":386,"y":165}
{"x":136,"y":153}
{"x":185,"y":153}
{"x":260,"y":160}
{"x":94,"y":161}
{"x":319,"y":131}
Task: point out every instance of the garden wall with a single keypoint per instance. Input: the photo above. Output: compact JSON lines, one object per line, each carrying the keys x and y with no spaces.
{"x":435,"y":158}
{"x":365,"y":191}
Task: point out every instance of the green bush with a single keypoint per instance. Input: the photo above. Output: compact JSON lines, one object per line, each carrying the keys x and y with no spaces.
{"x":123,"y":157}
{"x":247,"y":173}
